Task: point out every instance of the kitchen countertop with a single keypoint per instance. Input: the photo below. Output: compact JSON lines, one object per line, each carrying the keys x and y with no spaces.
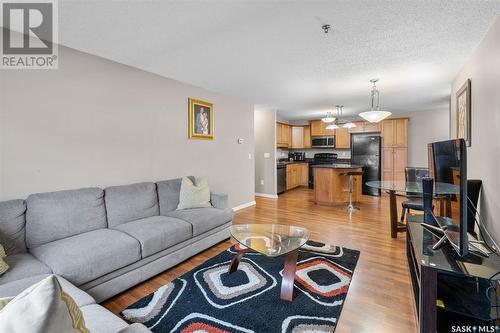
{"x":338,"y":166}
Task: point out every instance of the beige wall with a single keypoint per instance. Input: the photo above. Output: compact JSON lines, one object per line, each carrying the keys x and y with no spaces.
{"x":425,"y":127}
{"x":94,"y":122}
{"x":483,"y":157}
{"x":265,"y":143}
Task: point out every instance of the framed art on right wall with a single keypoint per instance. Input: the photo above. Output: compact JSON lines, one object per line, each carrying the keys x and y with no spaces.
{"x":463,"y":103}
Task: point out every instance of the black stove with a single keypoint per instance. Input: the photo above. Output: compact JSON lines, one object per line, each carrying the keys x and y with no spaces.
{"x":320,"y":158}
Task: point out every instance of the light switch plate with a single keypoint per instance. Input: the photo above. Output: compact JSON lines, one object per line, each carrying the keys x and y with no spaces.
{"x":267,"y":155}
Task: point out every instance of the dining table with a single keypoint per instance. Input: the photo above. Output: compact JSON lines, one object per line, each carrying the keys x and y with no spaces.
{"x":403,"y":187}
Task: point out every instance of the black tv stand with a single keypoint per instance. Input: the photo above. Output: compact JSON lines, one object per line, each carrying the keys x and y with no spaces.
{"x":449,"y":290}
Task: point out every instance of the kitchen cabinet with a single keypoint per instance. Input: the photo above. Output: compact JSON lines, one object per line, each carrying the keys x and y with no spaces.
{"x":371,"y":127}
{"x":394,"y":149}
{"x":360,"y":127}
{"x":297,"y":174}
{"x":303,"y":174}
{"x":342,"y":138}
{"x":395,"y":132}
{"x":297,"y":137}
{"x":318,"y":128}
{"x":283,"y":135}
{"x":365,"y":127}
{"x":394,"y":162}
{"x":307,"y":136}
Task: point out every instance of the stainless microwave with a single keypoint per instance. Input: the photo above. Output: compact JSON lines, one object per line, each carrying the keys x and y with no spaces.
{"x":323,"y":142}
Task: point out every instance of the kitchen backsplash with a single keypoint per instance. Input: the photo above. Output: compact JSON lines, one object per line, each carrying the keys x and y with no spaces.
{"x":342,"y":153}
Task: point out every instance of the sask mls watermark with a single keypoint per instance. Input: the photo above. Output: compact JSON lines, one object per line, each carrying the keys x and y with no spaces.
{"x":29,"y":34}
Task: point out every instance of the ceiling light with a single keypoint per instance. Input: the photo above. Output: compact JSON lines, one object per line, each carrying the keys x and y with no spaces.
{"x":374,"y":115}
{"x":329,"y":118}
{"x":332,"y":127}
{"x":349,"y":125}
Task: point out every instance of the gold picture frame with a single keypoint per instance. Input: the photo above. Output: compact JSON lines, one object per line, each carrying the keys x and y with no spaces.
{"x":201,"y":119}
{"x":463,"y":112}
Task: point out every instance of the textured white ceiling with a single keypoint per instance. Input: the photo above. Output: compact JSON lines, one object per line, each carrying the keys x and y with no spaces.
{"x":275,"y":55}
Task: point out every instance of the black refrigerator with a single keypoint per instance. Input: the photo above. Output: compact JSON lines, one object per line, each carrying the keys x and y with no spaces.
{"x":365,"y":151}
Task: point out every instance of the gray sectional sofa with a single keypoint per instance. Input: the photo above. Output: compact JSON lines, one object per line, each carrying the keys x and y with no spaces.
{"x":102,"y":242}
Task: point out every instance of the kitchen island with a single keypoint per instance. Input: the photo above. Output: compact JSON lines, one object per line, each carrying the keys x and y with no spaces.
{"x":331,"y":185}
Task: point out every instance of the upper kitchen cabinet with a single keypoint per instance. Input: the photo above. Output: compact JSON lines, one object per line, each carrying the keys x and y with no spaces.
{"x":342,"y":138}
{"x":318,"y":128}
{"x":297,"y":137}
{"x":360,"y":127}
{"x":283,"y":135}
{"x":364,"y":127}
{"x":301,"y":137}
{"x":307,"y":137}
{"x":395,"y":132}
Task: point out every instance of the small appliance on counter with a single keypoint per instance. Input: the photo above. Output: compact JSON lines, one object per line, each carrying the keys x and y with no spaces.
{"x":297,"y":156}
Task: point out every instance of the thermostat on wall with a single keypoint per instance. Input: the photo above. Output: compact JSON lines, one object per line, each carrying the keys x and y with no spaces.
{"x":241,"y":140}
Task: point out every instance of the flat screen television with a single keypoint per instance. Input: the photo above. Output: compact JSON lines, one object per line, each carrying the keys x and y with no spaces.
{"x":448,"y":164}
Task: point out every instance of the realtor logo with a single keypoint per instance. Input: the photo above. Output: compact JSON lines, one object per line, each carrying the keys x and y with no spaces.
{"x":29,"y":34}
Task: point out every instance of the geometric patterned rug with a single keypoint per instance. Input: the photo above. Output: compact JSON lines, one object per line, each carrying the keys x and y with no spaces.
{"x":208,"y":299}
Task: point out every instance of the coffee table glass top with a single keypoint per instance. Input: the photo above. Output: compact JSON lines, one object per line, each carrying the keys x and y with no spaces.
{"x":271,"y":240}
{"x":415,"y":187}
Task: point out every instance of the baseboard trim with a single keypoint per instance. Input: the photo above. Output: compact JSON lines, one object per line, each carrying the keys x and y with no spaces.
{"x":245,"y":205}
{"x":265,"y":195}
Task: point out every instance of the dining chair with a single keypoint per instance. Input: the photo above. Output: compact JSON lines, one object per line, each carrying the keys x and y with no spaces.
{"x":413,"y":200}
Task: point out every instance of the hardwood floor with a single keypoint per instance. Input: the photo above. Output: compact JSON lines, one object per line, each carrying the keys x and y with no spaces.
{"x":379,"y":298}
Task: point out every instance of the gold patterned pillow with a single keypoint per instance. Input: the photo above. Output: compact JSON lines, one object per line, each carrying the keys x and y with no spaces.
{"x":3,"y":265}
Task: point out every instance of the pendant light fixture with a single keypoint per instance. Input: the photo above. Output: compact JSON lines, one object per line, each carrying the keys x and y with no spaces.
{"x":338,"y":122}
{"x":329,"y":118}
{"x":375,"y":115}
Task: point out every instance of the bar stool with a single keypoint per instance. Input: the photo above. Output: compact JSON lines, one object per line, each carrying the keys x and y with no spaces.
{"x":351,"y":174}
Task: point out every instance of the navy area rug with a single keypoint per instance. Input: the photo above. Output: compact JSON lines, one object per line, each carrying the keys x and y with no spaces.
{"x":208,"y":299}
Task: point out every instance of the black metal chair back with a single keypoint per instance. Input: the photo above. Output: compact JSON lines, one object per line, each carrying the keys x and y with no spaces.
{"x":413,"y":174}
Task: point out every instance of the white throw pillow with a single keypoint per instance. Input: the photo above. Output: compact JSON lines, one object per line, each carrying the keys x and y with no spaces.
{"x":194,"y":195}
{"x":43,"y":307}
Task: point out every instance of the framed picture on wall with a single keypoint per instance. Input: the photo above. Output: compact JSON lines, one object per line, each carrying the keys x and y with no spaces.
{"x":463,"y":103}
{"x":200,"y":119}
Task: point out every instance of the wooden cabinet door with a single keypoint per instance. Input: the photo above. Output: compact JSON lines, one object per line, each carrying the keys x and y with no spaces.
{"x":359,"y":127}
{"x":316,"y":129}
{"x":400,"y":133}
{"x":400,"y":163}
{"x":307,"y":136}
{"x":387,"y":164}
{"x":388,"y":130}
{"x":326,"y":131}
{"x":297,"y":137}
{"x":279,"y":135}
{"x":304,"y":174}
{"x":287,"y":137}
{"x":371,"y":127}
{"x":342,"y":138}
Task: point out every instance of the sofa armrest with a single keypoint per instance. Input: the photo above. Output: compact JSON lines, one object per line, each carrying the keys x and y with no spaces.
{"x":218,"y":200}
{"x":135,"y":328}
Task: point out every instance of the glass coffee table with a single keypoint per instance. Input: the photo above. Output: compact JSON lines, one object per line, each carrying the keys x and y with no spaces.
{"x":272,"y":240}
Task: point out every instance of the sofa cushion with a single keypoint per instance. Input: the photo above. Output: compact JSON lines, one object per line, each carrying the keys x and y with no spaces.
{"x":168,"y":194}
{"x":157,"y":233}
{"x":100,"y":320}
{"x":23,"y":265}
{"x":87,"y":256}
{"x":13,"y":288}
{"x":12,"y":224}
{"x":131,"y":202}
{"x":56,"y":215}
{"x":203,"y":219}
